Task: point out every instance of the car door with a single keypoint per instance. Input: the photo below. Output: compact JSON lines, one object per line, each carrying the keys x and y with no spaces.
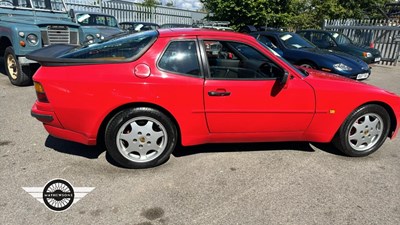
{"x":242,"y":93}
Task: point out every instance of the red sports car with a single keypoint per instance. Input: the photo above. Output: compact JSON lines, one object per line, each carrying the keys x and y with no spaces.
{"x":142,"y":94}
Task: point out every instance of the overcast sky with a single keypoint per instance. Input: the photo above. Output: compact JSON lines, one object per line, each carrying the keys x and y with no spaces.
{"x":186,"y":4}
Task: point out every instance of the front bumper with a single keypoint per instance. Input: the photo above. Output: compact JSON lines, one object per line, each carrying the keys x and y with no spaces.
{"x":373,"y":59}
{"x":358,"y":75}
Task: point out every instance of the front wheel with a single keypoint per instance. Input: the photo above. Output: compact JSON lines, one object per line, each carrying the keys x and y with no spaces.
{"x":364,"y":131}
{"x":309,"y":65}
{"x":140,"y":137}
{"x":18,"y":75}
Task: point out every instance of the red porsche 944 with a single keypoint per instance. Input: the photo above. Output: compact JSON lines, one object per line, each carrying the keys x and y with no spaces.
{"x":144,"y":93}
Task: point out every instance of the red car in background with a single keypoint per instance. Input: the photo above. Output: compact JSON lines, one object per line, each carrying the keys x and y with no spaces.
{"x":144,"y":93}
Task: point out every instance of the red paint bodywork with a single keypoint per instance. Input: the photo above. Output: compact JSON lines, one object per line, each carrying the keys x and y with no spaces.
{"x":83,"y":97}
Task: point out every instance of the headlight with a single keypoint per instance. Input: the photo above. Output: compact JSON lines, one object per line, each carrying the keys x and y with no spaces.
{"x":32,"y":39}
{"x":98,"y":35}
{"x":342,"y":67}
{"x":89,"y":37}
{"x":367,"y":54}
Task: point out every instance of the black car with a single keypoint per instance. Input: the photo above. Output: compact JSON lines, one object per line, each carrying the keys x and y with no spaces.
{"x":337,"y":41}
{"x":134,"y":27}
{"x":175,"y":25}
{"x":300,"y":51}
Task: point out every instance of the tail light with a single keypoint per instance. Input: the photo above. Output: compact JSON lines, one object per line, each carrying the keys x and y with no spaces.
{"x":41,"y":95}
{"x":372,"y":44}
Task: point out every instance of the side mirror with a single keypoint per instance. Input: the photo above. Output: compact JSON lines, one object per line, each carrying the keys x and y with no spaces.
{"x":284,"y":78}
{"x":71,"y":14}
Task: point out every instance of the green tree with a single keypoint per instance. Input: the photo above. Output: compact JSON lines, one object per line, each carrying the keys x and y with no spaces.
{"x":170,"y":4}
{"x":151,"y":3}
{"x":363,"y":8}
{"x":289,"y":13}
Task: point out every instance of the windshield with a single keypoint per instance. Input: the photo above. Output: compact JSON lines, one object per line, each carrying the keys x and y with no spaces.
{"x":341,"y":39}
{"x":294,"y":41}
{"x":86,"y":19}
{"x":118,"y":48}
{"x":302,"y":72}
{"x":52,"y":5}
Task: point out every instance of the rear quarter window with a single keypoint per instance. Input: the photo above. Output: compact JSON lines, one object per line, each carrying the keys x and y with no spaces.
{"x":181,"y":57}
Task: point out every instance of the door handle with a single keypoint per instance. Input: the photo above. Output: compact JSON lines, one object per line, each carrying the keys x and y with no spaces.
{"x":219,"y":93}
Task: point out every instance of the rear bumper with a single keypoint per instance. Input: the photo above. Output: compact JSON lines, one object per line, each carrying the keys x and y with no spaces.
{"x":69,"y":135}
{"x":44,"y":113}
{"x":43,"y":118}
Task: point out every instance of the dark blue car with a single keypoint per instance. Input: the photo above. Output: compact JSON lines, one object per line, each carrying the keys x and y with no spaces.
{"x":299,"y":51}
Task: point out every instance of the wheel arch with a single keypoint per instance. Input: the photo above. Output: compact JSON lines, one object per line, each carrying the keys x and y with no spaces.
{"x":5,"y":42}
{"x":393,"y":120}
{"x":101,"y":130}
{"x":302,"y":61}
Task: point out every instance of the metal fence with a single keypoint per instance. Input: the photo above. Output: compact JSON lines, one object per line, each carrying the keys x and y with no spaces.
{"x":127,"y":11}
{"x":385,"y":34}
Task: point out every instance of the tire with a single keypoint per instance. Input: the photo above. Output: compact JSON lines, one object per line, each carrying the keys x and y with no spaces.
{"x":308,"y":64}
{"x":364,"y":131}
{"x":18,"y":75}
{"x":151,"y":144}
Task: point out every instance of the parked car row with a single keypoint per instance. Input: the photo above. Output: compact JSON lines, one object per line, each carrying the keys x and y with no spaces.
{"x":336,"y":41}
{"x":299,"y":51}
{"x":20,"y":34}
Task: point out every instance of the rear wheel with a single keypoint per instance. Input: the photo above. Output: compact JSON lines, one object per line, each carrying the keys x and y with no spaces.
{"x":140,"y":137}
{"x":364,"y":131}
{"x":18,"y":75}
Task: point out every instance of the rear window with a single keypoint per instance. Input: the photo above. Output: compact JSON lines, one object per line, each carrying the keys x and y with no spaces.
{"x":115,"y":49}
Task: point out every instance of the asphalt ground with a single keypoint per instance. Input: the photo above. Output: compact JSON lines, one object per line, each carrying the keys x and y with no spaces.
{"x":268,"y":183}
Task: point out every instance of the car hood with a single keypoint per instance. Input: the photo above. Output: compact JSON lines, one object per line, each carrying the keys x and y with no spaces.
{"x":336,"y":57}
{"x":333,"y":81}
{"x":359,"y":49}
{"x":42,"y":21}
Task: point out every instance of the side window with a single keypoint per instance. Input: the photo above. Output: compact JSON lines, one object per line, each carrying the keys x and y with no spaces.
{"x":39,"y":4}
{"x":111,"y":21}
{"x":233,"y":60}
{"x":181,"y":57}
{"x":100,"y":20}
{"x":321,"y":40}
{"x":305,"y":35}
